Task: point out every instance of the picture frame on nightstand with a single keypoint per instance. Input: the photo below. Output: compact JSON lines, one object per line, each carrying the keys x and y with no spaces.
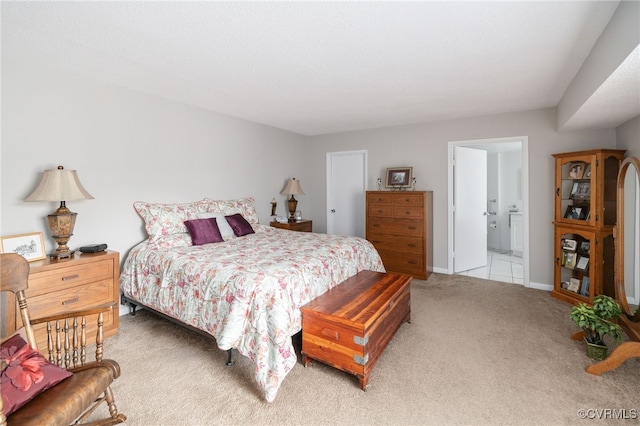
{"x":30,"y":246}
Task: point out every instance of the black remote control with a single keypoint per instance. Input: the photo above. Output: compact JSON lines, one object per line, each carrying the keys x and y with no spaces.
{"x":95,"y":248}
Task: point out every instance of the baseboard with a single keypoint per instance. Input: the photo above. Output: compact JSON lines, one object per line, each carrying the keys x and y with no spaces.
{"x":540,"y":286}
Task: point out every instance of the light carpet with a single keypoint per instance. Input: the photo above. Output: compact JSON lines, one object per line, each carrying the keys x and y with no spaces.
{"x":476,"y":352}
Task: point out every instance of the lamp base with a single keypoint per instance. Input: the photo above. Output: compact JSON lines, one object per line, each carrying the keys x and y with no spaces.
{"x":62,"y":254}
{"x":293,"y":205}
{"x":61,"y":223}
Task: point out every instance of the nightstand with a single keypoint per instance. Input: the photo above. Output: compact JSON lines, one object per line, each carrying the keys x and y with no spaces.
{"x":84,"y":281}
{"x":300,"y":226}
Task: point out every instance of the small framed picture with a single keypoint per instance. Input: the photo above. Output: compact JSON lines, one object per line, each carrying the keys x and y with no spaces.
{"x":574,"y":285}
{"x":584,"y":246}
{"x":29,"y":246}
{"x":569,"y":259}
{"x":568,"y":244}
{"x":585,"y":287}
{"x":576,"y":170}
{"x":399,"y":177}
{"x":576,"y":212}
{"x":581,"y":190}
{"x":583,"y":263}
{"x":587,"y":172}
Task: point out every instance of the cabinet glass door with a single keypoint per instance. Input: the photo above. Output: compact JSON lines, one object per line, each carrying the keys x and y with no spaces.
{"x":573,"y":261}
{"x":574,"y":190}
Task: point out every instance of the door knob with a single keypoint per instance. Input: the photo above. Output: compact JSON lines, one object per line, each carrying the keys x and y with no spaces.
{"x":333,"y":210}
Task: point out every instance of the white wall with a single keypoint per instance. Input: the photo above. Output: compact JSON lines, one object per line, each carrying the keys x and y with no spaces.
{"x":128,"y":146}
{"x":424,"y":146}
{"x":628,"y":137}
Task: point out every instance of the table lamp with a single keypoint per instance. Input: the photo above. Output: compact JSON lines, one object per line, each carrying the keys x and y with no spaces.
{"x":293,"y":188}
{"x":60,"y":185}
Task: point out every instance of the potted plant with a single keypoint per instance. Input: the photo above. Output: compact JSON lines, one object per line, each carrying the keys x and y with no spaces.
{"x":597,"y":321}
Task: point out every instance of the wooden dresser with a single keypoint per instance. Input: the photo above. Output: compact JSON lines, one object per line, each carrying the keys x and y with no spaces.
{"x":84,"y":281}
{"x":400,"y":226}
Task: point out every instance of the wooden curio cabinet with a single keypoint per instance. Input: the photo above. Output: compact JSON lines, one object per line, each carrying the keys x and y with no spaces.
{"x":585,"y":214}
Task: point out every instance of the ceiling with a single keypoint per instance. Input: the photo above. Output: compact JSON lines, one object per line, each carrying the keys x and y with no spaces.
{"x":319,"y":67}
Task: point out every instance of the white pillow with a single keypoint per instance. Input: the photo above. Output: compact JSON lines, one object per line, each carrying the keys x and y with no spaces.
{"x":225,"y":229}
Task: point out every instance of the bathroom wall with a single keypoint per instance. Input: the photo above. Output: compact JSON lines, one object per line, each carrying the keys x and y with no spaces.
{"x":504,"y":185}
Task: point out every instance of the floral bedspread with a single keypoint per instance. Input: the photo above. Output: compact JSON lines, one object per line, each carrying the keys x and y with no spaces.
{"x":246,"y":292}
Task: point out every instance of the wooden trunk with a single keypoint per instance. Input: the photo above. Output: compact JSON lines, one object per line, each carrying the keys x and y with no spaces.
{"x":349,"y":326}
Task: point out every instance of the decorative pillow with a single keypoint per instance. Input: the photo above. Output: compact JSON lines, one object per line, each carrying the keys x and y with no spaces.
{"x":244,"y":206}
{"x":166,"y":219}
{"x":223,"y":225}
{"x":203,"y":231}
{"x":26,"y":374}
{"x":239,"y":225}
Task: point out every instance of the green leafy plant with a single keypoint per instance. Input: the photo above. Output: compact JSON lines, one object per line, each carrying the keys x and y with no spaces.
{"x":596,"y":320}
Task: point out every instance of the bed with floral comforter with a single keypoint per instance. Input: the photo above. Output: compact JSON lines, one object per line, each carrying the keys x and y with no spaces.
{"x":246,"y":291}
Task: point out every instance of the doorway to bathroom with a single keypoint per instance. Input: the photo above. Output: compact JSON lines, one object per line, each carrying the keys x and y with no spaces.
{"x":488,"y":233}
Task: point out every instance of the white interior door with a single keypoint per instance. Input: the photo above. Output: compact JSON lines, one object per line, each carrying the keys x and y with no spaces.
{"x":346,"y":186}
{"x":470,"y":212}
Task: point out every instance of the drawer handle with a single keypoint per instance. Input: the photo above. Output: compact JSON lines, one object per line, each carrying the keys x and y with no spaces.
{"x":330,"y":333}
{"x":70,"y":277}
{"x":411,"y":245}
{"x":411,"y":227}
{"x":375,"y":224}
{"x":70,"y":301}
{"x":379,"y":211}
{"x":412,"y":262}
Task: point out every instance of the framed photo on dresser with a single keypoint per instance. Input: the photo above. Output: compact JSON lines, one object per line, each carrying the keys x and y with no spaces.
{"x":399,"y":177}
{"x":30,"y":246}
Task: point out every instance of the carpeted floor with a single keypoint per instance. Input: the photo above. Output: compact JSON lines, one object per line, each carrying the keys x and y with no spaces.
{"x":476,"y":352}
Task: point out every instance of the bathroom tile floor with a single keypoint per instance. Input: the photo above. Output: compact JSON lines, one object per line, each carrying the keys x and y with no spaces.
{"x":500,"y":267}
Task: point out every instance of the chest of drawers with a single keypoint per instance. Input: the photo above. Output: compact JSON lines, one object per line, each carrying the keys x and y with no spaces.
{"x":84,"y":281}
{"x":399,"y":225}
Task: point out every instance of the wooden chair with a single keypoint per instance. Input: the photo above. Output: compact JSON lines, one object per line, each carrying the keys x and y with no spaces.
{"x":74,"y":399}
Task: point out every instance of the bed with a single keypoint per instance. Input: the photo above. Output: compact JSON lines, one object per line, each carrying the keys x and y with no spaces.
{"x":246,"y":291}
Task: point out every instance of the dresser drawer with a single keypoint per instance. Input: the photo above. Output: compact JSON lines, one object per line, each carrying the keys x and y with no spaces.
{"x":71,"y":299}
{"x":380,"y":210}
{"x":59,"y":279}
{"x":380,"y":198}
{"x":396,"y":243}
{"x":383,"y":225}
{"x":410,"y":199}
{"x":401,"y":212}
{"x":395,"y":261}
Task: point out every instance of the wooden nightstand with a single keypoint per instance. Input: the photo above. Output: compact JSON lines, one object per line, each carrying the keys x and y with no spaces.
{"x":87,"y":280}
{"x":300,"y":226}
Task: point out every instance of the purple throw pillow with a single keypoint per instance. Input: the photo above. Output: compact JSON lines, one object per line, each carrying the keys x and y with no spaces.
{"x":239,"y":225}
{"x":203,"y":231}
{"x":26,"y":374}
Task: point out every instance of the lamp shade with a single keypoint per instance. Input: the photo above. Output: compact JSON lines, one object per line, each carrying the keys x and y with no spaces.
{"x":59,"y":185}
{"x":293,"y":188}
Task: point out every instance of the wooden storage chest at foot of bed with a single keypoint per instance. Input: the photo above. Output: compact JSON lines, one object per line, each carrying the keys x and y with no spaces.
{"x":349,"y":326}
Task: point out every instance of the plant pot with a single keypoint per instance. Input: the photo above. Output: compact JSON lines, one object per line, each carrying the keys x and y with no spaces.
{"x":594,"y":351}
